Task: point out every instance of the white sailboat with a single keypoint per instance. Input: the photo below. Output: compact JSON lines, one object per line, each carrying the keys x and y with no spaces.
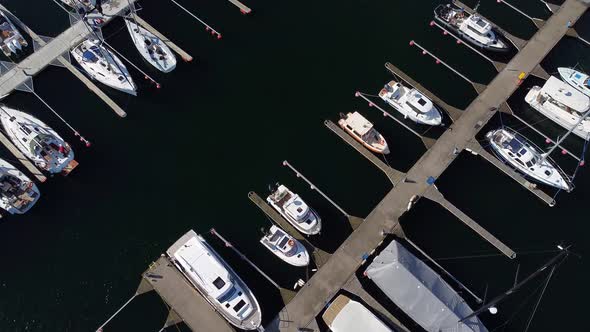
{"x":285,"y":247}
{"x":362,"y":130}
{"x":216,"y":281}
{"x":411,"y":103}
{"x":151,"y":48}
{"x":36,"y":140}
{"x":526,"y":158}
{"x":11,"y":40}
{"x":295,"y":210}
{"x":562,"y":104}
{"x":577,"y":79}
{"x":472,"y":28}
{"x":103,"y":66}
{"x":17,"y":192}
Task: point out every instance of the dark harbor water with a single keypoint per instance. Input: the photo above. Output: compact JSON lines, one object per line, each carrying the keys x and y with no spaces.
{"x":187,"y":155}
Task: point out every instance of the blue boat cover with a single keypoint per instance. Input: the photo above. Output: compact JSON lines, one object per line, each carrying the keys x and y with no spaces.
{"x":89,"y":56}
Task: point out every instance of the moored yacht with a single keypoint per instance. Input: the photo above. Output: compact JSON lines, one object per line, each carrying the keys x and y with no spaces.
{"x":527,"y":158}
{"x":411,"y":103}
{"x":216,"y":281}
{"x":11,"y":40}
{"x":295,"y":210}
{"x":285,"y":247}
{"x":17,"y":192}
{"x":103,"y":66}
{"x":151,"y":48}
{"x":362,"y":130}
{"x":472,"y":28}
{"x":37,"y":141}
{"x":575,"y":78}
{"x":562,"y":104}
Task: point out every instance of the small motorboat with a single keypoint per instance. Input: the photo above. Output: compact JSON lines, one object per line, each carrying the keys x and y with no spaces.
{"x":11,"y":40}
{"x":103,"y":66}
{"x":411,"y":103}
{"x":473,"y":28}
{"x":17,"y":192}
{"x":575,"y":78}
{"x":527,"y":158}
{"x":295,"y":210}
{"x":362,"y":130}
{"x":151,"y":48}
{"x":37,"y":141}
{"x":285,"y":247}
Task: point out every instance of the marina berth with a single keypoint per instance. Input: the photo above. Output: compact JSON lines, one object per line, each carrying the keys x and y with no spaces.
{"x":37,"y":141}
{"x":11,"y":40}
{"x":103,"y":66}
{"x":472,"y":28}
{"x":17,"y":192}
{"x":562,"y":104}
{"x":295,"y":210}
{"x":411,"y":103}
{"x":285,"y":247}
{"x":151,"y":48}
{"x":577,"y":79}
{"x":346,"y":315}
{"x":216,"y":281}
{"x":362,"y":130}
{"x":527,"y":158}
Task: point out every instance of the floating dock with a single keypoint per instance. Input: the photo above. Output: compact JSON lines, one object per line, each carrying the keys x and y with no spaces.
{"x":301,"y":312}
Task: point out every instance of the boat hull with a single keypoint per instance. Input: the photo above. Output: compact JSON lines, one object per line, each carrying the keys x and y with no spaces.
{"x":139,"y":35}
{"x":384,"y":150}
{"x":567,"y":75}
{"x":7,"y":168}
{"x":300,"y":259}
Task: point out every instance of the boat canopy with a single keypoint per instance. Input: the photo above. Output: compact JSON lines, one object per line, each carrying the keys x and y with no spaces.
{"x":566,"y":94}
{"x":359,"y":124}
{"x":478,"y":24}
{"x":418,"y":102}
{"x":346,"y":315}
{"x":89,"y":56}
{"x":420,"y":292}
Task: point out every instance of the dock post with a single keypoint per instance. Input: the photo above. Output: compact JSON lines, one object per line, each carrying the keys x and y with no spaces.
{"x":243,"y":8}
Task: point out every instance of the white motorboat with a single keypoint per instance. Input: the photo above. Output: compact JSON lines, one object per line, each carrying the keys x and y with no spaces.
{"x":37,"y":141}
{"x":285,"y":247}
{"x":472,"y":28}
{"x":216,"y":281}
{"x":151,"y":48}
{"x":362,"y":130}
{"x":411,"y":103}
{"x":346,"y":315}
{"x":11,"y":40}
{"x":103,"y":66}
{"x":563,"y":104}
{"x":527,"y":158}
{"x":17,"y":192}
{"x":575,"y":78}
{"x":295,"y":210}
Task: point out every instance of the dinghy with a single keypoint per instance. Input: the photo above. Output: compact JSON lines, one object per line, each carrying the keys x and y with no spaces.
{"x":362,"y":130}
{"x":411,"y":103}
{"x":11,"y":40}
{"x":151,"y":48}
{"x":285,"y":247}
{"x":575,"y":78}
{"x":37,"y":141}
{"x":103,"y":66}
{"x":295,"y":210}
{"x":17,"y":192}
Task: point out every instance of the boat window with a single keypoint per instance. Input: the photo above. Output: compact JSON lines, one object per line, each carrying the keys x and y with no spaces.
{"x":283,"y":242}
{"x":481,"y":23}
{"x":519,"y":161}
{"x":239,"y":306}
{"x":422,"y":102}
{"x":522,"y":152}
{"x":529,"y":164}
{"x":547,"y":172}
{"x":121,"y":78}
{"x":219,"y":283}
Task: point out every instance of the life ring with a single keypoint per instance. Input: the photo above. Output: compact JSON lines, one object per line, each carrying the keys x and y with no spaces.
{"x":291,"y":242}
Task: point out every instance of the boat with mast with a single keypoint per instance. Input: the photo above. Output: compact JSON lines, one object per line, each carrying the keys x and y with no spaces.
{"x":411,"y":103}
{"x":295,"y":210}
{"x":37,"y":141}
{"x":363,"y":131}
{"x":285,"y":247}
{"x":527,"y":158}
{"x":11,"y":40}
{"x":219,"y":284}
{"x":562,"y":104}
{"x":103,"y":66}
{"x":472,"y":28}
{"x":151,"y":48}
{"x":18,"y":193}
{"x":577,"y":79}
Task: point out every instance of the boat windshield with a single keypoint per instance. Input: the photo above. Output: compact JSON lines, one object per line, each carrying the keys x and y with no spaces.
{"x":228,"y":295}
{"x":283,"y":242}
{"x":89,"y":56}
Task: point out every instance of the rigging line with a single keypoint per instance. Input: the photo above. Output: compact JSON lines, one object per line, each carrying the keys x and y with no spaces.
{"x":540,"y":297}
{"x":518,"y":309}
{"x":520,"y":253}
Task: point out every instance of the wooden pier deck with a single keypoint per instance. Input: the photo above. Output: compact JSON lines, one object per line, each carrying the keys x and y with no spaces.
{"x":328,"y":280}
{"x":26,"y":162}
{"x":183,"y":298}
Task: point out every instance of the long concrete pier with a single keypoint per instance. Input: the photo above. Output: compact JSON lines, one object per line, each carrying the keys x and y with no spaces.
{"x":326,"y":283}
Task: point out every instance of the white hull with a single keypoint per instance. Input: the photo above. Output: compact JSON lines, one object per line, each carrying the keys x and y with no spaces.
{"x":33,"y":195}
{"x":11,"y":40}
{"x":402,"y":101}
{"x":313,"y":219}
{"x":285,"y":247}
{"x":295,"y":211}
{"x":151,"y":48}
{"x":576,"y":79}
{"x":104,"y":66}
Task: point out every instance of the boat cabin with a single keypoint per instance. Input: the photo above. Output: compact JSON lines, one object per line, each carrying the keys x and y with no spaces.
{"x":417,"y":102}
{"x":566,"y":95}
{"x":360,"y":126}
{"x":480,"y":26}
{"x":282,"y":241}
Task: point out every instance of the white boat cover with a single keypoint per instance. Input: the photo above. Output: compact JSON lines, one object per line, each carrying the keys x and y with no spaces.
{"x":358,"y":123}
{"x":566,"y":94}
{"x":420,"y":292}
